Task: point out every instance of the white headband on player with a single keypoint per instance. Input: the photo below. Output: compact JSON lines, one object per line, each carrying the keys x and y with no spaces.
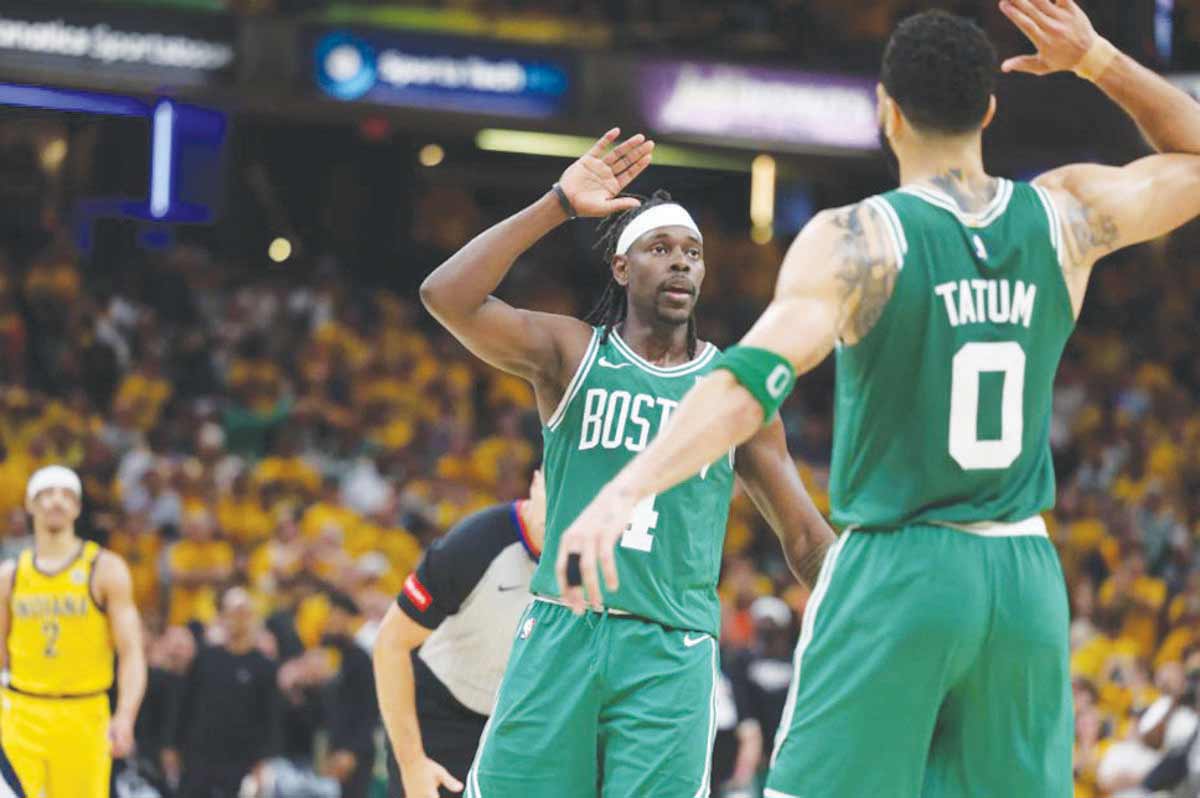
{"x":666,"y":215}
{"x":53,"y":476}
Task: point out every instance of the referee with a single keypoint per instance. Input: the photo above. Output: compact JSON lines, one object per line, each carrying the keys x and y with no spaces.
{"x":443,"y":647}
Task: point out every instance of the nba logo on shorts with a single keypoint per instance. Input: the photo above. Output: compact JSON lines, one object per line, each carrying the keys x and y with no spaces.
{"x":527,"y":628}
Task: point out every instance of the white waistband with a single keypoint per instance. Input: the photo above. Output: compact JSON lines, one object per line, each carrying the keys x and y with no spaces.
{"x":561,"y":603}
{"x":1032,"y":526}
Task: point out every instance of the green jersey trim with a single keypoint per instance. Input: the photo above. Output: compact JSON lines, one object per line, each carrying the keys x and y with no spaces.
{"x":1052,"y":216}
{"x":585,"y":365}
{"x":894,"y":228}
{"x":983,"y":218}
{"x":699,"y":362}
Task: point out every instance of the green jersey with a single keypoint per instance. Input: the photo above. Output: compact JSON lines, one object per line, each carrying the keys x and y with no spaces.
{"x":943,"y":409}
{"x":669,"y":557}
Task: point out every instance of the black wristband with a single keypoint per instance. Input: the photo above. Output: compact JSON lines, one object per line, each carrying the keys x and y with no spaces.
{"x":574,"y":572}
{"x":564,"y":202}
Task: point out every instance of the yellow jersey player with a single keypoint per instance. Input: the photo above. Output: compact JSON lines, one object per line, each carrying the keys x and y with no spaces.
{"x":66,"y":606}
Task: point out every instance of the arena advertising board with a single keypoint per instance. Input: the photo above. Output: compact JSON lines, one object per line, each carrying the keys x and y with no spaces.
{"x":763,"y":106}
{"x":440,"y":73}
{"x":119,"y":45}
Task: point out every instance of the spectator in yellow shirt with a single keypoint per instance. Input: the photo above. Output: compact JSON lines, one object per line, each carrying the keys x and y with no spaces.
{"x":197,"y":565}
{"x":145,"y":390}
{"x":286,"y":473}
{"x":241,"y":514}
{"x":1136,"y":596}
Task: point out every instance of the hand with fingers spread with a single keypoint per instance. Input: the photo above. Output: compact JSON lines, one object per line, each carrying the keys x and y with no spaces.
{"x":593,"y":184}
{"x":1061,"y":32}
{"x":588,"y":547}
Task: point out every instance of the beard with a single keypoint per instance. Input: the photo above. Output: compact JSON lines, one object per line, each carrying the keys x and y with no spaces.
{"x":889,"y":155}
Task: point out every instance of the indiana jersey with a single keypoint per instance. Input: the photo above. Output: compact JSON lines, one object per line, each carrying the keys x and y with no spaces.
{"x":669,"y":557}
{"x":59,"y":643}
{"x":943,"y":408}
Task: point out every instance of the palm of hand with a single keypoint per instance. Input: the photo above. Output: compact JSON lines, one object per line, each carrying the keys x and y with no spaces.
{"x":593,"y":184}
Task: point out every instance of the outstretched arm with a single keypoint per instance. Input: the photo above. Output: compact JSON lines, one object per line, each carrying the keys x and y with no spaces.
{"x":773,"y":484}
{"x":459,"y":292}
{"x":1066,"y":41}
{"x":834,"y":284}
{"x":1104,"y":208}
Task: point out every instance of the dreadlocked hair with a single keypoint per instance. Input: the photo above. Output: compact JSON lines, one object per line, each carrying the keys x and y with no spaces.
{"x":613,"y":305}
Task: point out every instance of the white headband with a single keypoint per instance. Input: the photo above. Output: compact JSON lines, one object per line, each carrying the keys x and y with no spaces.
{"x":667,"y":215}
{"x":53,"y":476}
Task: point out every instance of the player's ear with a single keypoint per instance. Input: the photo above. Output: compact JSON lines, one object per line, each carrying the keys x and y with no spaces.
{"x":890,"y":118}
{"x":991,"y":113}
{"x":620,"y":270}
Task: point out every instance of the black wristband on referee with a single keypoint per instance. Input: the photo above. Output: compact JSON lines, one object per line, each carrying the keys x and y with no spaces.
{"x":568,"y":209}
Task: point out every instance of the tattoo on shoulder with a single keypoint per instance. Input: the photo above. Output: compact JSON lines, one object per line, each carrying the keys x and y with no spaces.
{"x":1089,"y":230}
{"x":866,"y":270}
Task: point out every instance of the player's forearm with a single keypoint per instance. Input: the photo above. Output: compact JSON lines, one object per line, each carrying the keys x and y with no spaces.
{"x":131,"y":682}
{"x":715,"y":416}
{"x":463,"y":283}
{"x":396,"y":691}
{"x":1168,"y":117}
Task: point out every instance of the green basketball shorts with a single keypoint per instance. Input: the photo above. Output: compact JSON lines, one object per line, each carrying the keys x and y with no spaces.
{"x":932,"y":662}
{"x":600,"y":706}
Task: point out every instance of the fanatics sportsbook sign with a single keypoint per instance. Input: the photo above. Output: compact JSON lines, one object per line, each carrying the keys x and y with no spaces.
{"x":115,"y":45}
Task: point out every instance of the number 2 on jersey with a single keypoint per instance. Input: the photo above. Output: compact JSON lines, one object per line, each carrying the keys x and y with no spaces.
{"x":645,"y":518}
{"x":50,"y":629}
{"x":969,"y":363}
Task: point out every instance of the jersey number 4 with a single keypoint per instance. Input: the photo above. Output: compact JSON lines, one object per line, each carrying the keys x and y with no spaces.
{"x":637,"y":533}
{"x":970,"y":362}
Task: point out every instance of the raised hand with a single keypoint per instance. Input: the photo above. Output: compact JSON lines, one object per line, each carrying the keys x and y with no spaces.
{"x":594,"y":182}
{"x":1059,"y":30}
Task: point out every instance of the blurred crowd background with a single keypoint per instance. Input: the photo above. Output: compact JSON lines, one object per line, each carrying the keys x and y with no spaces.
{"x":303,"y":436}
{"x":271,"y":445}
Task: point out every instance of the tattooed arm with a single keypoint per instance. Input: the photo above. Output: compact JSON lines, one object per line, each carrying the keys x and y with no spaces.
{"x":1105,"y":208}
{"x":834,"y":284}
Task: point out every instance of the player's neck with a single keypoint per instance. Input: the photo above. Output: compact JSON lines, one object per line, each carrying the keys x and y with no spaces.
{"x":54,"y":546}
{"x":953,"y":165}
{"x":657,"y":343}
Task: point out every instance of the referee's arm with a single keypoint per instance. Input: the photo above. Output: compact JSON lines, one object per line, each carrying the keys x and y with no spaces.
{"x":394,"y":685}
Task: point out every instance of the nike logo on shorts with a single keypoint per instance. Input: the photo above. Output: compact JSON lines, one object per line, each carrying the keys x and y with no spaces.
{"x":605,"y":363}
{"x":506,"y":588}
{"x":692,"y":642}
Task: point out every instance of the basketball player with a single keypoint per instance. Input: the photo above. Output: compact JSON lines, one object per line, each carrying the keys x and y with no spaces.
{"x":933,"y":654}
{"x":620,"y":702}
{"x":66,"y":606}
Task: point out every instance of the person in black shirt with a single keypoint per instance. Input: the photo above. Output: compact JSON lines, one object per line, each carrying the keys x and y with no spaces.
{"x":227,"y":722}
{"x":460,"y":608}
{"x":766,"y":671}
{"x":351,"y":715}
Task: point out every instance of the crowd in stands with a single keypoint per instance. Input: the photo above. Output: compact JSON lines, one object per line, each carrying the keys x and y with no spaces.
{"x":303,"y":436}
